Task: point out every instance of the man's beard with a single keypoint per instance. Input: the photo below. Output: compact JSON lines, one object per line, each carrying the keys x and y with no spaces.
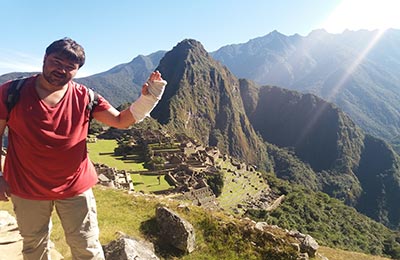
{"x":56,"y":78}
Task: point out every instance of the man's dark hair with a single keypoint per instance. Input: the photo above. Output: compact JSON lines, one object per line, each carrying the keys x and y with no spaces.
{"x":69,"y":49}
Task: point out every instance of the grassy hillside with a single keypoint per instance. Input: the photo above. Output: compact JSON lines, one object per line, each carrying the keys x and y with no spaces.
{"x":136,"y":218}
{"x":217,"y":236}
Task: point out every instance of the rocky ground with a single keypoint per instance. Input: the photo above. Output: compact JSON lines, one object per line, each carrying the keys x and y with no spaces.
{"x":11,"y":240}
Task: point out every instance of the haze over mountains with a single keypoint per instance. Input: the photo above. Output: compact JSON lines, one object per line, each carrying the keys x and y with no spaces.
{"x":301,"y":137}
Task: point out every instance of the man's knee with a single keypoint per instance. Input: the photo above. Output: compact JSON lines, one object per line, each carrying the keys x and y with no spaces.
{"x":85,"y":245}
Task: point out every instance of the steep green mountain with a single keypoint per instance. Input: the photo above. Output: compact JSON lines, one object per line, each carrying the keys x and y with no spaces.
{"x":356,"y":70}
{"x":345,"y":162}
{"x":379,"y":175}
{"x":202,"y":99}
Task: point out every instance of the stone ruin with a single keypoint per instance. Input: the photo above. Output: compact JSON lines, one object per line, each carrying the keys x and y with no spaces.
{"x":186,"y":167}
{"x":201,"y":197}
{"x":114,"y":178}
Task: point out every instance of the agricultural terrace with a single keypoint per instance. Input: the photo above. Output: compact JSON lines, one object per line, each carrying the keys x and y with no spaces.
{"x":102,"y":151}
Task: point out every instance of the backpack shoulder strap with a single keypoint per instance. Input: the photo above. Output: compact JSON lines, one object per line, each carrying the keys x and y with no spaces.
{"x":13,"y":93}
{"x":93,"y":100}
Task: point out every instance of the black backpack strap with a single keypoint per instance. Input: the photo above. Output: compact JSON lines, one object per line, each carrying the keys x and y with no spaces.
{"x":93,"y":101}
{"x":13,"y":93}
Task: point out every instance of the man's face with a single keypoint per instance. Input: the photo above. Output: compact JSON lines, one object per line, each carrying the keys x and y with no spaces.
{"x":58,"y":70}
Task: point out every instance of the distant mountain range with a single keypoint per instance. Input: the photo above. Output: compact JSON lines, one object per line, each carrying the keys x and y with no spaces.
{"x":300,"y":137}
{"x":359,"y":71}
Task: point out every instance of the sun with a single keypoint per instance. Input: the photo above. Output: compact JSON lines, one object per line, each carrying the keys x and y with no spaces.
{"x":363,"y":14}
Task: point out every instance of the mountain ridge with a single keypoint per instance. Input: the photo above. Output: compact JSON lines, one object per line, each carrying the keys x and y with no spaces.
{"x":356,"y":70}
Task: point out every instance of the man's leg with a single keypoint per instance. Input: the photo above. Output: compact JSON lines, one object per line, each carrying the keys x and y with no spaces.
{"x":34,"y":223}
{"x":78,"y":217}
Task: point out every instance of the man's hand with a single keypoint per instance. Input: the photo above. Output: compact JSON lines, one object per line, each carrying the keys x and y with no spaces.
{"x":4,"y":190}
{"x":152,"y":92}
{"x":155,"y":85}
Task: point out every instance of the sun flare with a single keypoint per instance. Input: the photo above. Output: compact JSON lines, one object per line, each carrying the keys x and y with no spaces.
{"x":363,"y":14}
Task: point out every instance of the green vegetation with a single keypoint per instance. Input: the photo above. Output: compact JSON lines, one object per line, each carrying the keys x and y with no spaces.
{"x":216,"y":182}
{"x":230,"y":240}
{"x":288,"y":166}
{"x":379,"y":179}
{"x":329,"y":221}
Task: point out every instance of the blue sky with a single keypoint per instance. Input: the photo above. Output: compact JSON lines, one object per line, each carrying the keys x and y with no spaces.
{"x":114,"y":32}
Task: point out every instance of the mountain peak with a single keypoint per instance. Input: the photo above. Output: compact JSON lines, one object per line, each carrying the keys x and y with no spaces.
{"x":318,"y":33}
{"x":275,"y":33}
{"x":189,"y":44}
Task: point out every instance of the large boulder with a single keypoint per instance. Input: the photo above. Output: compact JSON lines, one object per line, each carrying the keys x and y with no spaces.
{"x":127,"y":248}
{"x":175,"y":230}
{"x":307,"y":243}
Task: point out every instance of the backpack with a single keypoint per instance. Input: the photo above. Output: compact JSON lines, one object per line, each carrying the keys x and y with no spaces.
{"x":14,"y":89}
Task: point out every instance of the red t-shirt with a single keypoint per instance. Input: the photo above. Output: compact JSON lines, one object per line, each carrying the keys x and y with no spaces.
{"x":47,"y":156}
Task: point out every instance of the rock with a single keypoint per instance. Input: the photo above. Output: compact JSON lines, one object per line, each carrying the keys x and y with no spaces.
{"x":261,"y":226}
{"x":303,"y":256}
{"x":175,"y":230}
{"x":7,"y":221}
{"x":11,"y":240}
{"x":126,"y":248}
{"x":8,"y":229}
{"x":309,"y":245}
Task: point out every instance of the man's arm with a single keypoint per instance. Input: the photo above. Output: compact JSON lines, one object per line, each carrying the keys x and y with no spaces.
{"x":4,"y":189}
{"x":112,"y":117}
{"x":152,"y":91}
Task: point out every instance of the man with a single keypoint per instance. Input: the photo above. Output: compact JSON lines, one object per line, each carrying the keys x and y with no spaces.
{"x":47,"y":165}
